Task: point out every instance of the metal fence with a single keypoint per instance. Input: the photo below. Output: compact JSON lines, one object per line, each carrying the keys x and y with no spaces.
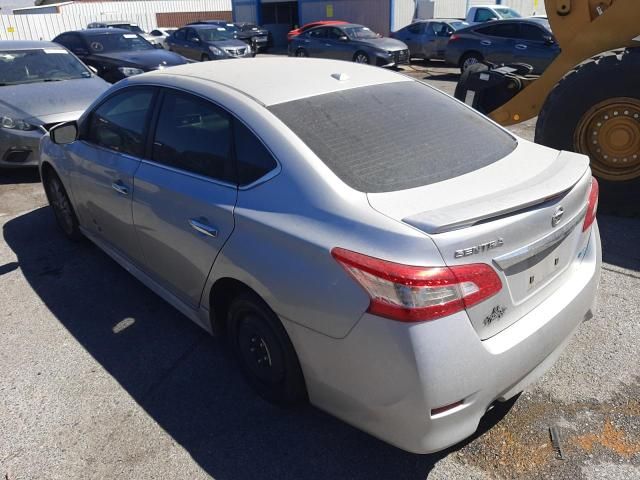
{"x":77,"y":15}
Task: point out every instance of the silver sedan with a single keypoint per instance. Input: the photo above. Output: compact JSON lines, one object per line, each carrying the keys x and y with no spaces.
{"x":402,"y":271}
{"x":41,"y":84}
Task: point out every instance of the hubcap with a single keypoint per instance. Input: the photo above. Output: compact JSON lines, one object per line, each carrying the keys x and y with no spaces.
{"x":362,"y":58}
{"x":61,"y":206}
{"x":610,"y":134}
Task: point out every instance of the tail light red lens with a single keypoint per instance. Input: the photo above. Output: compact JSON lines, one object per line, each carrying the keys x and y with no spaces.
{"x":416,"y":294}
{"x":453,"y":38}
{"x":592,"y":205}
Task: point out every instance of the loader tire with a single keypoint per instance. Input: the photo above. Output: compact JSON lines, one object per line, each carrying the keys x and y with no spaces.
{"x":595,"y":110}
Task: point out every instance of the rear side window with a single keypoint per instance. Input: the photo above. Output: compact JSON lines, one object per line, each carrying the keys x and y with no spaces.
{"x":194,"y":135}
{"x":394,"y":136}
{"x":531,"y":32}
{"x":253,"y":159}
{"x":180,"y":34}
{"x":484,"y":14}
{"x":505,"y":30}
{"x":118,"y":124}
{"x":416,"y":28}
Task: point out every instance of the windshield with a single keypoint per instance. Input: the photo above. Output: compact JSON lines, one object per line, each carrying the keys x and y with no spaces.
{"x":128,"y":26}
{"x":394,"y":136}
{"x":217,"y":34}
{"x":360,"y":33}
{"x":458,"y":25}
{"x":117,"y":42}
{"x":508,"y":13}
{"x":39,"y":65}
{"x":230,"y":27}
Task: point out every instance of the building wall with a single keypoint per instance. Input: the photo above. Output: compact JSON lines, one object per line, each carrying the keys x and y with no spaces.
{"x":78,"y":15}
{"x":458,"y":8}
{"x":177,"y":19}
{"x":246,"y":11}
{"x":372,"y":13}
{"x":402,"y":14}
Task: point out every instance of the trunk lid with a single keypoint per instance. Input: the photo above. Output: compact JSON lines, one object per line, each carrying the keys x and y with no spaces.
{"x":522,"y":215}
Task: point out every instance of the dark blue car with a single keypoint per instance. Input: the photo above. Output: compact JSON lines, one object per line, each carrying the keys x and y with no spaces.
{"x":527,"y":41}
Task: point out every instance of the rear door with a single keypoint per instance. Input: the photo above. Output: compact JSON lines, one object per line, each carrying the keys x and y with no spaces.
{"x":314,"y":43}
{"x":186,"y":193}
{"x":498,"y":40}
{"x":442,"y":34}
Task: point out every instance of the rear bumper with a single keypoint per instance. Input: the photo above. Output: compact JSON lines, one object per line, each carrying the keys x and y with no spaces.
{"x":19,"y":148}
{"x":386,"y":377}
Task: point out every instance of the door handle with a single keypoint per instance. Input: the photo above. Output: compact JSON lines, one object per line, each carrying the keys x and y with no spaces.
{"x":486,"y":43}
{"x":203,"y":228}
{"x":120,"y":188}
{"x":520,"y":46}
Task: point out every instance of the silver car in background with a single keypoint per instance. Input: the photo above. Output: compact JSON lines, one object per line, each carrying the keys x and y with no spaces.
{"x":428,"y":39}
{"x":350,"y":42}
{"x":41,"y":84}
{"x":403,"y":271}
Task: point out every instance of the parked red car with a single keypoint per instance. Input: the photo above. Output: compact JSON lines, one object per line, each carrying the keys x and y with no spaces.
{"x":304,"y":28}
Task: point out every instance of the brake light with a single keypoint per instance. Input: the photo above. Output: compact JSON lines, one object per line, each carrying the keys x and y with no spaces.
{"x":592,"y":205}
{"x":415,"y":294}
{"x":454,"y":37}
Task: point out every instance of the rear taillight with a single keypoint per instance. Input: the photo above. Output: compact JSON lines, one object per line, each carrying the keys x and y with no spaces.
{"x":415,"y":294}
{"x":453,"y":38}
{"x":592,"y":205}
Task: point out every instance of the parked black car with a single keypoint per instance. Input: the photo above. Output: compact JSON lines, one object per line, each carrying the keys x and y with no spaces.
{"x":428,"y":39}
{"x":116,"y":53}
{"x":207,"y":42}
{"x":527,"y":41}
{"x":259,"y":38}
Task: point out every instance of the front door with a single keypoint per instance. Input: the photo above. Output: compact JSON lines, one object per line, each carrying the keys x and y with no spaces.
{"x":536,"y":47}
{"x":186,"y":193}
{"x":337,"y":48}
{"x":106,"y":158}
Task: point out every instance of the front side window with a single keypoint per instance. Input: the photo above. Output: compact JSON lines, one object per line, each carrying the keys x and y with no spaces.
{"x":180,"y":34}
{"x":194,"y":135}
{"x":484,"y":14}
{"x":503,"y":30}
{"x":39,"y":65}
{"x":118,"y":124}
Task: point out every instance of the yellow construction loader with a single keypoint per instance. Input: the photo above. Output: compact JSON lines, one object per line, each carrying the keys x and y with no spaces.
{"x":587,"y":100}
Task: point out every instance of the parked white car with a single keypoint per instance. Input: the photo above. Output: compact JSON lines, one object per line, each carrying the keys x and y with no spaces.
{"x":486,"y":13}
{"x":161,"y":35}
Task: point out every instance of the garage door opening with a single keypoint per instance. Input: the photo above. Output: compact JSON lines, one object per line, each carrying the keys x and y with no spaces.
{"x":279,"y":18}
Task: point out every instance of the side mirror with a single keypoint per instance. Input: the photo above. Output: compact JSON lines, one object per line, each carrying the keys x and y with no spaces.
{"x":549,"y":40}
{"x":64,"y":133}
{"x":195,"y":40}
{"x":343,"y":38}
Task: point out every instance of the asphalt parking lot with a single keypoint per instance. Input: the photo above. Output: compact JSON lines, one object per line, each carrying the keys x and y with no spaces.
{"x":100,"y":378}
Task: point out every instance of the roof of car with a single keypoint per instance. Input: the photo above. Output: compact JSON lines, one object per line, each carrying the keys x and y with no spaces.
{"x":281,"y":79}
{"x":107,"y":31}
{"x":26,"y":44}
{"x":113,"y":22}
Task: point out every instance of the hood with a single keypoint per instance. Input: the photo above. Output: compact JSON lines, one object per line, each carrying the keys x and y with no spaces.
{"x":384,"y":43}
{"x":228,"y":44}
{"x":51,"y":100}
{"x":144,"y":59}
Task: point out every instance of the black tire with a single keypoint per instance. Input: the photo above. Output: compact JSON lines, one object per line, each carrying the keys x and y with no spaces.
{"x":468,"y":59}
{"x":301,"y":52}
{"x":264,"y":351}
{"x":610,"y":75}
{"x":205,"y":58}
{"x":361,"y":57}
{"x":61,"y":206}
{"x":461,"y":87}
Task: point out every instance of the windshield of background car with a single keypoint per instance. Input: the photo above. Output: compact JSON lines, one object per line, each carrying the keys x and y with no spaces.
{"x":118,"y":42}
{"x":458,"y":25}
{"x":508,"y":13}
{"x":394,"y":136}
{"x":127,"y":26}
{"x":360,"y":33}
{"x":216,"y":34}
{"x":39,"y":65}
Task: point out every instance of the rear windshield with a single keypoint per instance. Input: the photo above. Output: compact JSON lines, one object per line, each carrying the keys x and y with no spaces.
{"x":394,"y":136}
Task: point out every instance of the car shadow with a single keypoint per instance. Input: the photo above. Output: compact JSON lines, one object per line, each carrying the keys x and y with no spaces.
{"x":13,"y":176}
{"x":620,"y":241}
{"x":186,"y":381}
